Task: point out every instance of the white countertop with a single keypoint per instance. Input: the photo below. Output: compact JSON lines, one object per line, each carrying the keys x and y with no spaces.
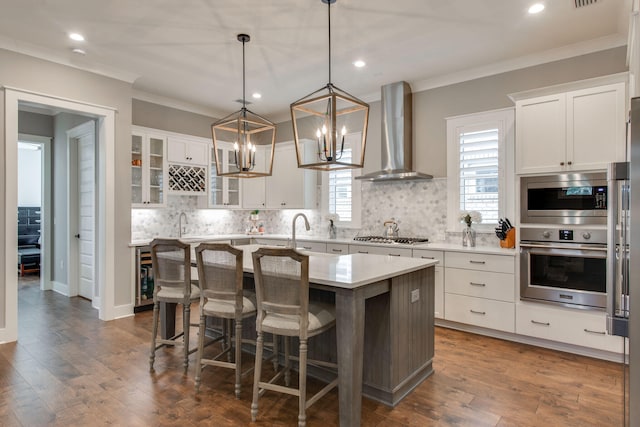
{"x":436,"y":246}
{"x":349,"y":271}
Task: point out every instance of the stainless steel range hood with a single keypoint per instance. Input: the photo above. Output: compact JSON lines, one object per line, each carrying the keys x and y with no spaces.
{"x":397,"y":141}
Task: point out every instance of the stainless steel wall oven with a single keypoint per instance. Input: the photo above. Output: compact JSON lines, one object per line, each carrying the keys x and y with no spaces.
{"x":564,"y":266}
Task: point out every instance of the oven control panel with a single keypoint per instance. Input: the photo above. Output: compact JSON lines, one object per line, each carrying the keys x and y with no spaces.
{"x":563,"y":235}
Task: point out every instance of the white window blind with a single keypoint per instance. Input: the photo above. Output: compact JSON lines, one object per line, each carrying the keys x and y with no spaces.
{"x":341,"y":190}
{"x":479,"y":173}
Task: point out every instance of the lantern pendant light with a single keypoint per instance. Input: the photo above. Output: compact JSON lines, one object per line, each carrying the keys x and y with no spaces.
{"x":243,"y":142}
{"x":330,"y":125}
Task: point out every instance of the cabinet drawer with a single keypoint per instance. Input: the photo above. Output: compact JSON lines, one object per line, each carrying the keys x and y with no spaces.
{"x":485,"y":262}
{"x":337,"y":249}
{"x":271,"y":242}
{"x":483,"y":284}
{"x":569,"y":326}
{"x":313,"y":246}
{"x":485,"y":313}
{"x":429,"y":254}
{"x":379,"y":250}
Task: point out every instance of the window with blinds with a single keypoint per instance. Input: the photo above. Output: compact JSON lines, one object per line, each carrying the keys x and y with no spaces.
{"x":479,"y":173}
{"x":341,"y":190}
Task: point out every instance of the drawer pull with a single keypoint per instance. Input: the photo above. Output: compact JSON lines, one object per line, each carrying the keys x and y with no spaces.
{"x":336,"y":250}
{"x":363,"y":252}
{"x":306,"y":247}
{"x":477,"y":262}
{"x":427,"y":257}
{"x":477,"y":284}
{"x":478,"y":312}
{"x":535,"y":322}
{"x":589,"y":331}
{"x":394,"y":254}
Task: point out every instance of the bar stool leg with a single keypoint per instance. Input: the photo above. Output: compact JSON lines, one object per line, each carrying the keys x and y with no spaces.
{"x":201,"y":334}
{"x":238,"y":356}
{"x":154,"y":334}
{"x":186,"y":322}
{"x":256,"y":376}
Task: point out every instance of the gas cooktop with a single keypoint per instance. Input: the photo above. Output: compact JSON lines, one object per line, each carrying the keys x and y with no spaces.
{"x":391,"y":240}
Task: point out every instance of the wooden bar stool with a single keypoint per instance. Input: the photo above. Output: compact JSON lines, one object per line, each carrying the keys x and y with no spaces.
{"x":171,"y":261}
{"x":282,"y":291}
{"x":221,"y":295}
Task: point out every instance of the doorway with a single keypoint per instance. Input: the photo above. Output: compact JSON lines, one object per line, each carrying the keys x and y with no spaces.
{"x":105,"y":201}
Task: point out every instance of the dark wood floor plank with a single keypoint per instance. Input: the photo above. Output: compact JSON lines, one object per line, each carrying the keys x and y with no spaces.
{"x":71,"y":369}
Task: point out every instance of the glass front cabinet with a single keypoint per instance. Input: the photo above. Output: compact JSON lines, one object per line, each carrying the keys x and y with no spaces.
{"x":148,"y":170}
{"x":225,"y":191}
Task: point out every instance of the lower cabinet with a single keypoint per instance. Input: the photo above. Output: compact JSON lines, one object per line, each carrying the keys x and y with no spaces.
{"x":438,"y":279}
{"x":379,"y":250}
{"x":337,"y":248}
{"x":566,"y":325}
{"x":480,"y":290}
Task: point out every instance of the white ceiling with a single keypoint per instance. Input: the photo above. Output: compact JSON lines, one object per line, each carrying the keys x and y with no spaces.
{"x":185,"y":52}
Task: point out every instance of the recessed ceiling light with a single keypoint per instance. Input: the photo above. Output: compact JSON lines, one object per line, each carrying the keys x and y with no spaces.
{"x":536,"y":8}
{"x":77,"y":37}
{"x":79,"y":51}
{"x":257,"y":95}
{"x":359,"y":63}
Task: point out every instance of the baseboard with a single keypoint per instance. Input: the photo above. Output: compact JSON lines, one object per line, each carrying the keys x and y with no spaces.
{"x":538,"y":342}
{"x":61,"y":288}
{"x":120,"y":311}
{"x":7,"y":336}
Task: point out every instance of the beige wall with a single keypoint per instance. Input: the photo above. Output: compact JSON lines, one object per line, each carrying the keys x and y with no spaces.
{"x":47,"y":78}
{"x":170,"y":119}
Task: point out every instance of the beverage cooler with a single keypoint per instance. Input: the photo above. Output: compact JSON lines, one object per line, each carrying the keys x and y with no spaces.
{"x":144,"y":279}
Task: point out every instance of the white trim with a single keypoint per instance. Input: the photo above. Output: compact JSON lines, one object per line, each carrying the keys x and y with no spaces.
{"x":106,"y":201}
{"x":61,"y":288}
{"x":122,"y":311}
{"x":178,"y":105}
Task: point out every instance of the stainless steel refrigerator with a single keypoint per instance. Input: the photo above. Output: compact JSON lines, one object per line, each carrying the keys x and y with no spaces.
{"x":623,"y":285}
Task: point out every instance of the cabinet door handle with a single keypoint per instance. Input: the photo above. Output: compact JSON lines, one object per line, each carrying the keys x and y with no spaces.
{"x":477,"y":262}
{"x":535,"y":322}
{"x":589,"y":331}
{"x":336,"y":250}
{"x":561,"y":163}
{"x":394,"y":254}
{"x":477,"y":284}
{"x":427,"y":257}
{"x":478,"y":312}
{"x":363,"y":252}
{"x":569,"y":162}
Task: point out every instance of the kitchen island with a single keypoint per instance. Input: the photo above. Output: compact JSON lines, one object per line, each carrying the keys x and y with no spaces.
{"x":384,"y":324}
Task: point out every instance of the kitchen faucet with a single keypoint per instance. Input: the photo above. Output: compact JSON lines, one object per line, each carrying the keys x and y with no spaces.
{"x":182,"y":214}
{"x":293,"y":228}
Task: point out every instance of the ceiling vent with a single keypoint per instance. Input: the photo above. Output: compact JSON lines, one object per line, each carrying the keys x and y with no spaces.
{"x":583,"y":3}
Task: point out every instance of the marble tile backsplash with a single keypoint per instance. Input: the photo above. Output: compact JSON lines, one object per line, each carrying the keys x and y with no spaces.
{"x":419,"y":207}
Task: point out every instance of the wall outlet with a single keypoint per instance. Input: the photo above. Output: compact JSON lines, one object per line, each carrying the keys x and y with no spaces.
{"x":415,"y":295}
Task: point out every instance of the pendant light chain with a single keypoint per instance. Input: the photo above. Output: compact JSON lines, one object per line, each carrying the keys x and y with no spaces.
{"x":329,"y":15}
{"x":244,"y":98}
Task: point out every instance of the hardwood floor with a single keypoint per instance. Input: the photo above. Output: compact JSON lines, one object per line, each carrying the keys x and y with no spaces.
{"x":69,"y":368}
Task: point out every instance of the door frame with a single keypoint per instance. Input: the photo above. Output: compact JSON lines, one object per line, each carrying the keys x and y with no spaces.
{"x":45,"y":206}
{"x":105,"y":201}
{"x":73,"y":210}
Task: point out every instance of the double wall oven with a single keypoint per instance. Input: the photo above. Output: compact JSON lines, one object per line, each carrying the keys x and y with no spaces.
{"x":563,"y":239}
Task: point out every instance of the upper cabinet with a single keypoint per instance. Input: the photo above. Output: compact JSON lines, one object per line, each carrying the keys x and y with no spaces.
{"x":254,"y":189}
{"x":188,"y":151}
{"x":289,"y":187}
{"x":572,"y":130}
{"x":148,"y":169}
{"x":225,"y":191}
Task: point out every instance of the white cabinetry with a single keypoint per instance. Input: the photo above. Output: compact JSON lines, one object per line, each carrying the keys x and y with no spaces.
{"x":566,"y":325}
{"x":253,"y":189}
{"x":289,"y":187}
{"x":439,"y":277}
{"x":581,"y":129}
{"x":148,"y":169}
{"x":225,"y":190}
{"x":337,"y":248}
{"x":479,"y":290}
{"x":379,"y":250}
{"x":184,"y":150}
{"x":312,"y":246}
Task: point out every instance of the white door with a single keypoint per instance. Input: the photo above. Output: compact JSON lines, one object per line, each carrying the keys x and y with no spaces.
{"x":85,"y":232}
